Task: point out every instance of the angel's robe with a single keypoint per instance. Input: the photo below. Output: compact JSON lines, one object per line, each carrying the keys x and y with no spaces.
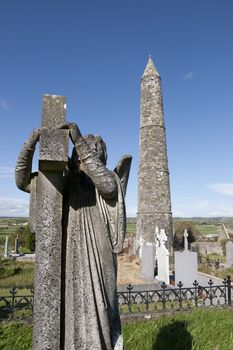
{"x":94,"y":223}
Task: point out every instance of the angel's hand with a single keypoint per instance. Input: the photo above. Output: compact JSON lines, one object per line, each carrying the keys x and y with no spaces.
{"x":74,"y":131}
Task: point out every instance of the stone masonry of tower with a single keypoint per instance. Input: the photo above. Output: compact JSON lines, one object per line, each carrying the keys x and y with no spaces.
{"x":154,"y":202}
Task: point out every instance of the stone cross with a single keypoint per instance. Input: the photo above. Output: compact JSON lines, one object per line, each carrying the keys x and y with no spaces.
{"x":163,"y":258}
{"x":6,"y":250}
{"x":162,"y":237}
{"x":53,"y":156}
{"x":186,"y":246}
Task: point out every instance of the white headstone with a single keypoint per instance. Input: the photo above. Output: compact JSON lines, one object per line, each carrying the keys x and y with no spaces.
{"x":186,"y":268}
{"x":229,"y":254}
{"x":148,"y":261}
{"x":6,"y":250}
{"x":162,"y":258}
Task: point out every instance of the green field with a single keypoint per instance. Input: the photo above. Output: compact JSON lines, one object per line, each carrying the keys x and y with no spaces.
{"x":131,"y":228}
{"x":207,"y":229}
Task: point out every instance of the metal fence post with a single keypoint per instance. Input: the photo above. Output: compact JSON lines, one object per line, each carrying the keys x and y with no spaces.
{"x":13,"y":293}
{"x":129,"y":288}
{"x":229,"y":290}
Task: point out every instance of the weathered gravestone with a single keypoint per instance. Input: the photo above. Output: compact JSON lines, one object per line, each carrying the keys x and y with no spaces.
{"x":229,"y":254}
{"x":79,"y":219}
{"x":148,"y":261}
{"x":16,"y":250}
{"x":186,"y":265}
{"x":6,"y":248}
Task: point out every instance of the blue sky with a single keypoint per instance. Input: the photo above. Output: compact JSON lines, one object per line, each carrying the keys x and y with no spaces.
{"x":94,"y":52}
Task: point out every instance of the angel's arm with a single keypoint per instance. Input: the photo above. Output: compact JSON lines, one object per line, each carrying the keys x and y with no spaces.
{"x":103,"y":179}
{"x":24,"y":164}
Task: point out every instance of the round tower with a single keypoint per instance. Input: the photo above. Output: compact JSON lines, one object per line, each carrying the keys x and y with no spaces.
{"x":154,"y":202}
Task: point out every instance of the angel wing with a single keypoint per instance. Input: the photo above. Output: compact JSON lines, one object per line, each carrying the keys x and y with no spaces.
{"x":122,"y":170}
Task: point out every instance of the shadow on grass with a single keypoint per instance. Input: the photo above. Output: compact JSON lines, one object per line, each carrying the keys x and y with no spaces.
{"x":23,"y":309}
{"x":173,"y":336}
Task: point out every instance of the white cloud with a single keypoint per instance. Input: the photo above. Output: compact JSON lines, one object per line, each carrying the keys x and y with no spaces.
{"x":178,"y":213}
{"x":223,"y":188}
{"x":226,"y":212}
{"x":4,"y":105}
{"x":13,"y":207}
{"x":188,"y":76}
{"x":201,"y":205}
{"x":6,"y":171}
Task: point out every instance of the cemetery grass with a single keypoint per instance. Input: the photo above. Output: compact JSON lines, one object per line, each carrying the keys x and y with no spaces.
{"x":131,"y":228}
{"x":221,"y":273}
{"x":15,"y":336}
{"x":16,"y":273}
{"x":198,"y":330}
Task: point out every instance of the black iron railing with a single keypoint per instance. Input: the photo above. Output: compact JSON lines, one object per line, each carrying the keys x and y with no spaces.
{"x":18,"y":304}
{"x":179,"y":298}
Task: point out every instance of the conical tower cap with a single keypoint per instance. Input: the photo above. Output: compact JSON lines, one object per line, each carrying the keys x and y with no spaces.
{"x":150,"y":68}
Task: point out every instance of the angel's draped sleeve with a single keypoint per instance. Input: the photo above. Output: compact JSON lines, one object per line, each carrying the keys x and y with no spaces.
{"x":23,"y":169}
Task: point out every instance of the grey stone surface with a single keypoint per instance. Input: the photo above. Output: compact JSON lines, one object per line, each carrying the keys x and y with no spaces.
{"x":95,"y":226}
{"x":206,"y":248}
{"x":53,"y":149}
{"x":186,"y":268}
{"x":47,"y":291}
{"x":229,"y":254}
{"x":148,"y":261}
{"x":32,"y":204}
{"x":16,"y":250}
{"x":154,"y":203}
{"x":53,"y":156}
{"x":80,"y":227}
{"x":53,"y":111}
{"x":46,"y":204}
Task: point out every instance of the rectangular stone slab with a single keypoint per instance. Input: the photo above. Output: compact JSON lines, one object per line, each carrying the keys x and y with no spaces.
{"x":53,"y":148}
{"x":53,"y":153}
{"x":53,"y":157}
{"x":54,"y":110}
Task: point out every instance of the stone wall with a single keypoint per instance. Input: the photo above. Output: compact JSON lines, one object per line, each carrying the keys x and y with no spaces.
{"x":207,"y":248}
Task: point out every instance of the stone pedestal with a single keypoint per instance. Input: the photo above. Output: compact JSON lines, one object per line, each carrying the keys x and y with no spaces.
{"x":53,"y":156}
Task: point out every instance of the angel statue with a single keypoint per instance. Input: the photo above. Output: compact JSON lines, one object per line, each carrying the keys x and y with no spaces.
{"x":94,"y":222}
